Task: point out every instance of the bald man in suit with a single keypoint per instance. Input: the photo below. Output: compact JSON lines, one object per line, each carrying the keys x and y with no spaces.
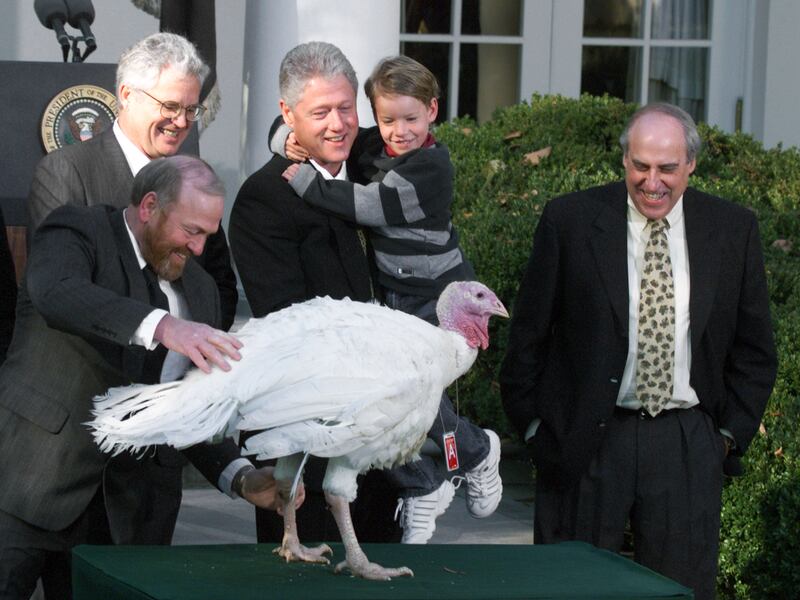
{"x":637,"y":387}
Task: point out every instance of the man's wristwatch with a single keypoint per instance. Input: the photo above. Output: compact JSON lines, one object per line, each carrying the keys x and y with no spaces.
{"x":238,"y":480}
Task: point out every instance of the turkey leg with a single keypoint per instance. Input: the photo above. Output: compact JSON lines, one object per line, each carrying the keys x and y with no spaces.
{"x":355,"y":560}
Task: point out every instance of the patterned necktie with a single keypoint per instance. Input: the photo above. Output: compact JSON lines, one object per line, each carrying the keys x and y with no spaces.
{"x":656,"y":342}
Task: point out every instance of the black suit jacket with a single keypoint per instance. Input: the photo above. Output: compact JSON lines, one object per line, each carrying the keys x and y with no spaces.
{"x":287,"y":252}
{"x":569,"y":337}
{"x":83,"y":297}
{"x":96,"y":172}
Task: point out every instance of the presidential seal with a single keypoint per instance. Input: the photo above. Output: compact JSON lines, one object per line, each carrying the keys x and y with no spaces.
{"x":77,"y":114}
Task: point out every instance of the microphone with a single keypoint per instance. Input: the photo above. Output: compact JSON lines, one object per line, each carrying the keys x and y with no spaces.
{"x":81,"y":15}
{"x":53,"y":14}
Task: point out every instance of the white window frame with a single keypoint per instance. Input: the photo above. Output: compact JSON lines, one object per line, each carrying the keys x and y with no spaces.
{"x":455,"y":39}
{"x":729,"y":47}
{"x":551,"y":43}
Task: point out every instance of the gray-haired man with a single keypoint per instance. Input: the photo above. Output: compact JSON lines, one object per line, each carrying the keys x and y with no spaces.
{"x":287,"y":252}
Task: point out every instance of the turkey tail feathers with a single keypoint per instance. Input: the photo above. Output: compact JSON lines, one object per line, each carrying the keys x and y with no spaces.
{"x":137,"y":416}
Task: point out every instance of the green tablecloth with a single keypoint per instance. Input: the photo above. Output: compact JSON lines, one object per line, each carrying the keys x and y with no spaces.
{"x":242,"y":572}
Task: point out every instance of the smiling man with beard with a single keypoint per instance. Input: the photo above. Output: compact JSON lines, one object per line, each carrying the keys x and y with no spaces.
{"x":110,"y":297}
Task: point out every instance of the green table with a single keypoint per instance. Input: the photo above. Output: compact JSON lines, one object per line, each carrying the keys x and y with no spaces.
{"x":245,"y":571}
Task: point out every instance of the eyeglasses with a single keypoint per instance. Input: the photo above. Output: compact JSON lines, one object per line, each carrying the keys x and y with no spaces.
{"x":173,"y":110}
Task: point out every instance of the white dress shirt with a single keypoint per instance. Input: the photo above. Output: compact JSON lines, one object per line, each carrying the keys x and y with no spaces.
{"x":340,"y":176}
{"x":135,"y":157}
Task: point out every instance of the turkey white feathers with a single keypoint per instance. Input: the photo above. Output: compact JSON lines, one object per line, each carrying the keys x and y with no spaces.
{"x":356,"y":382}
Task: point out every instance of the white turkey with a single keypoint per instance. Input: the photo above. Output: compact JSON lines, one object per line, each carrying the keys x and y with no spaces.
{"x":355,"y":382}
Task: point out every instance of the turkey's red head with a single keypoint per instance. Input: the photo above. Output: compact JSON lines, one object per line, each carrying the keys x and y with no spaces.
{"x":465,"y":307}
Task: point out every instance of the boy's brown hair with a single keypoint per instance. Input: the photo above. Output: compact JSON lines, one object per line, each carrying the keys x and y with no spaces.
{"x":401,"y":76}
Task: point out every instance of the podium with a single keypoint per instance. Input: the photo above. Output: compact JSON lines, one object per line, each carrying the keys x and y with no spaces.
{"x":28,"y":87}
{"x":251,"y":571}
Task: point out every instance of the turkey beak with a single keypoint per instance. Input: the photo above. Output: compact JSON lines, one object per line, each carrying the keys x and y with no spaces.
{"x":498,"y":309}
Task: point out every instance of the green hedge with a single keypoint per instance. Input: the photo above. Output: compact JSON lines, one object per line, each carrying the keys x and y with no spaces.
{"x":499,"y":195}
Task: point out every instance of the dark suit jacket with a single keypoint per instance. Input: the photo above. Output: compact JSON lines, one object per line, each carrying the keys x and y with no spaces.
{"x":96,"y":172}
{"x":287,"y":252}
{"x":569,"y":336}
{"x":83,"y":297}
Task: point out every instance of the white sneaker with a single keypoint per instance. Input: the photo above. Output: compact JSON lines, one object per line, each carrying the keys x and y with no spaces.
{"x":484,"y":486}
{"x":418,"y":514}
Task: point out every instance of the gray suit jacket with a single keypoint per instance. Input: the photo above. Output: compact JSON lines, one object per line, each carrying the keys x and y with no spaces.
{"x":96,"y":172}
{"x":83,"y":297}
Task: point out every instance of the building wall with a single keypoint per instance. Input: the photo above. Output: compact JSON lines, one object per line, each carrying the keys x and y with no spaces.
{"x":253,"y":35}
{"x":782,"y":81}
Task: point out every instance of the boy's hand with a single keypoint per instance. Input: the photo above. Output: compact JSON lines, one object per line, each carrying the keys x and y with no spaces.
{"x":295,"y":151}
{"x":291,"y":171}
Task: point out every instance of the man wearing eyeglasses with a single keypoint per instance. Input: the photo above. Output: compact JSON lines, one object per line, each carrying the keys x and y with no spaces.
{"x":158,"y":93}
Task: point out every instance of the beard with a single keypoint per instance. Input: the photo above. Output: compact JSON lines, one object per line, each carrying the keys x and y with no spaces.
{"x":161,"y":255}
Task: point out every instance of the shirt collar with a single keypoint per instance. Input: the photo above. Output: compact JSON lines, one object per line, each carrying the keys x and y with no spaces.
{"x":341,"y":175}
{"x":674,"y":217}
{"x":135,"y":158}
{"x":134,"y":243}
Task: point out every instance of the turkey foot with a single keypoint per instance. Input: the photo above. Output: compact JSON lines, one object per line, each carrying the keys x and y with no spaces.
{"x":291,"y":550}
{"x":355,"y":560}
{"x":369,"y":570}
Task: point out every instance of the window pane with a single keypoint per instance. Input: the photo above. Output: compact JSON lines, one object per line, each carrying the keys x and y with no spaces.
{"x":680,"y":20}
{"x":437,"y":58}
{"x":491,"y":17}
{"x":612,"y":70}
{"x":488,"y":79}
{"x":612,"y":18}
{"x":426,"y":16}
{"x":678,"y":76}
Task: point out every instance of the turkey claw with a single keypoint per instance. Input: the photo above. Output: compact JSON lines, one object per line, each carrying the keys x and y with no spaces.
{"x":373,"y":571}
{"x":299,"y":553}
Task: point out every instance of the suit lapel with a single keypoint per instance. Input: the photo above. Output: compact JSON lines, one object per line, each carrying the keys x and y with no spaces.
{"x":130,"y":265}
{"x":116,"y":169}
{"x":609,"y":244}
{"x":133,"y":356}
{"x":704,"y":262}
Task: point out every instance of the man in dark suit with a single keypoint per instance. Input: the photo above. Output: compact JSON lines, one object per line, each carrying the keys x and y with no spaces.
{"x":287,"y":252}
{"x":641,"y":355}
{"x":158,"y":90}
{"x":107,"y":293}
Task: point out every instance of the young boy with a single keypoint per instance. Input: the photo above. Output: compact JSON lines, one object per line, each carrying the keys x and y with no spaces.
{"x":407,"y":208}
